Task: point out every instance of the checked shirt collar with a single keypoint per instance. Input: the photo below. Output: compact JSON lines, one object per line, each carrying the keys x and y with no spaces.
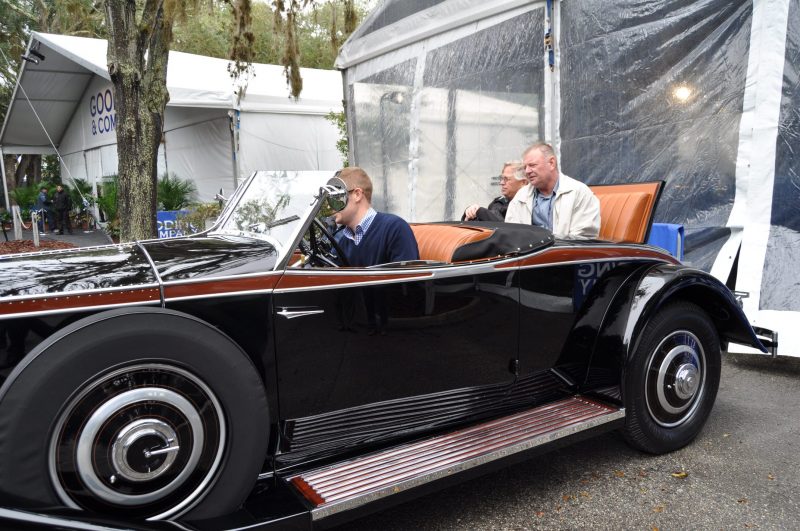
{"x":361,"y":228}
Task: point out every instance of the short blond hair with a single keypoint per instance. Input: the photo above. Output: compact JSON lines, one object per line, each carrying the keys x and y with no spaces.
{"x":355,"y":177}
{"x":546,"y":149}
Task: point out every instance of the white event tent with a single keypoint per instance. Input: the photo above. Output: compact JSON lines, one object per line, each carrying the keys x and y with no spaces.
{"x":210,"y":135}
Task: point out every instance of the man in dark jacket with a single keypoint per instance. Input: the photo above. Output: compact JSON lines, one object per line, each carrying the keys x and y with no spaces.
{"x":511,"y":180}
{"x":45,"y":214}
{"x":62,"y":204}
{"x":371,"y":238}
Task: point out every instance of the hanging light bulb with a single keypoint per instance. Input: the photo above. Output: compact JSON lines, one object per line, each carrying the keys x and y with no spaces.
{"x":682,"y":93}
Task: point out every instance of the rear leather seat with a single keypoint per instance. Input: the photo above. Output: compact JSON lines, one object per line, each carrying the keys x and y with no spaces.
{"x":621,"y":216}
{"x":626,"y":210}
{"x":438,"y":243}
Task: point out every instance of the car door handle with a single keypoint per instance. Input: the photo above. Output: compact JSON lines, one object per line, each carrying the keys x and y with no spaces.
{"x":291,"y":313}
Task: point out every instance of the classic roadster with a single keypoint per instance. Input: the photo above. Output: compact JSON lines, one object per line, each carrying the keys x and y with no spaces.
{"x":248,"y":377}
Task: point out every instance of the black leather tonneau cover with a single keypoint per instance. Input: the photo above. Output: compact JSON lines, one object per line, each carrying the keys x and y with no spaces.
{"x":507,"y":239}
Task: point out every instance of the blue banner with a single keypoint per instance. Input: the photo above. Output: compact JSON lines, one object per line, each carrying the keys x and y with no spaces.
{"x":170,"y":224}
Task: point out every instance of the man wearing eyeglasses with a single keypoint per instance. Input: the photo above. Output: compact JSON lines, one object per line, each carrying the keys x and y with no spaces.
{"x":511,"y":180}
{"x":369,"y":237}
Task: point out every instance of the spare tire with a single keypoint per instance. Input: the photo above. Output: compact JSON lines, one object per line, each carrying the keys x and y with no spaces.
{"x":146,"y":411}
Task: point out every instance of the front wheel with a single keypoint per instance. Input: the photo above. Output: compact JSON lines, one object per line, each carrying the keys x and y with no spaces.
{"x":672,"y":379}
{"x":146,"y":412}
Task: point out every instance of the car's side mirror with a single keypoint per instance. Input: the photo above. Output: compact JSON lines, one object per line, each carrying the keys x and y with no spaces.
{"x":337,"y":193}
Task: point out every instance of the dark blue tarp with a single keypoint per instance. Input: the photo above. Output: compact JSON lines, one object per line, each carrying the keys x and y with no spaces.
{"x":654,"y":90}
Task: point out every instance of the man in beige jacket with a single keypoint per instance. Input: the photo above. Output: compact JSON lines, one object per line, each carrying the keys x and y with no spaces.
{"x":553,"y":200}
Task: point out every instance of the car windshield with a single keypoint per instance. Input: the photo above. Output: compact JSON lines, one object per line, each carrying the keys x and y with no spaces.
{"x":272,"y":206}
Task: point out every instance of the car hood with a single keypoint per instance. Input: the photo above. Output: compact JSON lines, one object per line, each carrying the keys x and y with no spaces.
{"x":132,"y":264}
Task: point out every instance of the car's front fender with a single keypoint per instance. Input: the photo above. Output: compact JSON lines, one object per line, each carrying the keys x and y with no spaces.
{"x":665,"y":283}
{"x":641,"y":296}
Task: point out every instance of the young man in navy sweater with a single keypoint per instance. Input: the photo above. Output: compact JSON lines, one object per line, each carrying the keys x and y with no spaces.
{"x":371,"y":238}
{"x":368,"y":237}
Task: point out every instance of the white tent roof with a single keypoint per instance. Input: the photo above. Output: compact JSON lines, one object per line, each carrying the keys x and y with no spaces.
{"x":57,"y":83}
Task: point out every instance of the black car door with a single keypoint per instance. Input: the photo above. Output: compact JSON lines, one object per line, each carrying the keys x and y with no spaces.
{"x":368,"y":353}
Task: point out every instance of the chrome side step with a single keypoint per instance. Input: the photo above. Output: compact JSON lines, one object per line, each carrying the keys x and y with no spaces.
{"x":354,"y":483}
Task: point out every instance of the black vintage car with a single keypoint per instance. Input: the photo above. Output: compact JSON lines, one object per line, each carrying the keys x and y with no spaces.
{"x":245,"y":376}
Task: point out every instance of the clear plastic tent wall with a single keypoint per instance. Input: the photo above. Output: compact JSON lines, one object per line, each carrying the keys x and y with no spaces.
{"x":702,"y":94}
{"x":433,"y":123}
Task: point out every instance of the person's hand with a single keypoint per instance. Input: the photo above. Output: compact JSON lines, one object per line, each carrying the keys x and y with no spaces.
{"x":471,"y":212}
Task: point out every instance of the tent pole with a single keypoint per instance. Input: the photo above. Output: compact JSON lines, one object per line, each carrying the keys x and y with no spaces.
{"x":233,"y":117}
{"x":5,"y":185}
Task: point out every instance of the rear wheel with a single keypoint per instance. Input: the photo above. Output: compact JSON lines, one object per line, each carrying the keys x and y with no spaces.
{"x":672,"y":380}
{"x":146,"y":412}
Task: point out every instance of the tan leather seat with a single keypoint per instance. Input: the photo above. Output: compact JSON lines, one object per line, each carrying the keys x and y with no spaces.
{"x":438,"y":242}
{"x":626,"y":210}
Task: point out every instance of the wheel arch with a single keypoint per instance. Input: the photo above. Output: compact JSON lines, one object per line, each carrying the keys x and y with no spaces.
{"x":95,"y":318}
{"x":663,"y":284}
{"x":641,"y":296}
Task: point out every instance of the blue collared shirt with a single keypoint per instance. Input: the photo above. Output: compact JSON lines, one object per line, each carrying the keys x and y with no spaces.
{"x":361,"y":228}
{"x":543,"y":209}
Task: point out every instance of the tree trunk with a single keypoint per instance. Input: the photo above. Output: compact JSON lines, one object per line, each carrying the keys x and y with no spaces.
{"x":138,"y":52}
{"x":30,"y":166}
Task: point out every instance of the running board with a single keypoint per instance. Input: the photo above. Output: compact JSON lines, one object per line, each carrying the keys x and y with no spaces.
{"x":354,"y":483}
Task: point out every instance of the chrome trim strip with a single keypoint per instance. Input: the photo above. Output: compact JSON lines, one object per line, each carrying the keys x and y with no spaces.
{"x":78,"y":309}
{"x":358,"y":501}
{"x":594,"y":261}
{"x":355,"y":284}
{"x":155,"y":270}
{"x":76,"y":293}
{"x":564,"y":377}
{"x":217,"y":295}
{"x":293,"y":314}
{"x":198,"y":280}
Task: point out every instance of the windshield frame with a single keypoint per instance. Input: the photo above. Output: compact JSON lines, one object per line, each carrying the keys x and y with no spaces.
{"x":284,"y":249}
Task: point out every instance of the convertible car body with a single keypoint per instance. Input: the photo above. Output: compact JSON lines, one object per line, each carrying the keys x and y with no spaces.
{"x":247,"y":377}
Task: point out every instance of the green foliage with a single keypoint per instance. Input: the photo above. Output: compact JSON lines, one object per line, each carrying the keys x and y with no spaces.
{"x":80,"y":190}
{"x":256,"y":215}
{"x":174,"y":193}
{"x":107,"y":201}
{"x":319,"y":31}
{"x":342,"y":144}
{"x":24,"y":196}
{"x":16,"y":19}
{"x":51,"y":170}
{"x":199,"y":213}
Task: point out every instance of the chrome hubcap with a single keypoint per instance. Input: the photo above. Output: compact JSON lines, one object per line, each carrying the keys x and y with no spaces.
{"x":147,"y":439}
{"x":144,"y":449}
{"x":675,"y":378}
{"x":686,"y":381}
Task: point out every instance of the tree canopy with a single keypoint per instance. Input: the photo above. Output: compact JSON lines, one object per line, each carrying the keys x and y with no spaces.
{"x":293,"y":33}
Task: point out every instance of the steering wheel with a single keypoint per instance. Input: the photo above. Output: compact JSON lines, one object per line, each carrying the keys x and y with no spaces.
{"x":322,"y":250}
